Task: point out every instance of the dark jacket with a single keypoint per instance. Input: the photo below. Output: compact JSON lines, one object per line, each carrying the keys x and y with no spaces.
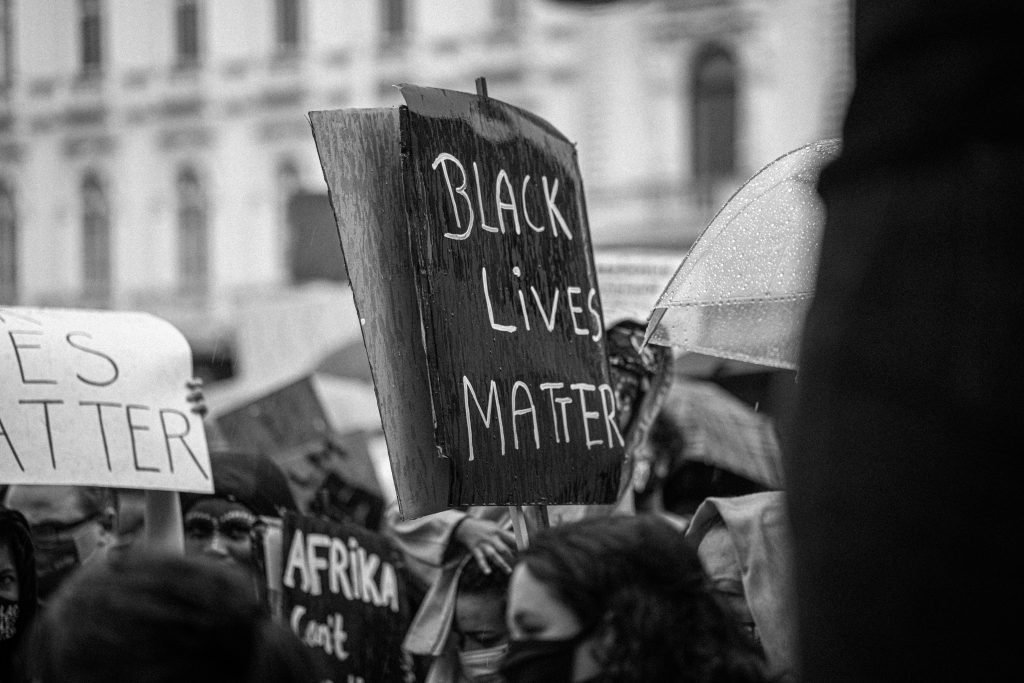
{"x":14,"y":533}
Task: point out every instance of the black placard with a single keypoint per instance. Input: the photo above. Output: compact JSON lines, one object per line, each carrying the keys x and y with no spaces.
{"x":344,"y":596}
{"x":484,"y":335}
{"x":509,"y":301}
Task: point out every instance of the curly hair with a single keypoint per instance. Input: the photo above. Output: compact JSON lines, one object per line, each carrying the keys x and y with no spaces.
{"x":638,"y":580}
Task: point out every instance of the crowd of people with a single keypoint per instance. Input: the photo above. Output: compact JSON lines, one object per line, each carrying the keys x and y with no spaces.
{"x":627,"y":592}
{"x":688,"y":577}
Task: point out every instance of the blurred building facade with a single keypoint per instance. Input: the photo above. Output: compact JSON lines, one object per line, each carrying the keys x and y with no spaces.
{"x":156,"y":155}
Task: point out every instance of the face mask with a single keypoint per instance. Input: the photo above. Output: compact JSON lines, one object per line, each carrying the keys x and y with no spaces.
{"x":8,"y":619}
{"x":477,"y":664}
{"x":55,"y":561}
{"x":541,"y":661}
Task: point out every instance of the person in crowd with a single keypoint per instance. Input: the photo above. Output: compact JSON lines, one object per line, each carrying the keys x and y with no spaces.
{"x":162,"y":619}
{"x":70,"y":525}
{"x":18,"y":601}
{"x":621,"y":598}
{"x":745,"y":547}
{"x":460,"y":625}
{"x":677,"y":485}
{"x":221,"y":526}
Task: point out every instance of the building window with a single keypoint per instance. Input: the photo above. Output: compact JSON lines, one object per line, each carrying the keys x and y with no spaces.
{"x":96,"y":269}
{"x":395,"y":22}
{"x":506,"y":12}
{"x":714,"y":115}
{"x":287,"y":24}
{"x":6,"y":49}
{"x":91,"y":36}
{"x":186,"y":24}
{"x":8,"y":247}
{"x":193,"y":247}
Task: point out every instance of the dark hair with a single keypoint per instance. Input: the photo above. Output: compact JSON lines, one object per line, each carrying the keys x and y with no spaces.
{"x":14,"y":534}
{"x":252,"y":479}
{"x":637,"y":578}
{"x":158,"y":619}
{"x":472,"y":579}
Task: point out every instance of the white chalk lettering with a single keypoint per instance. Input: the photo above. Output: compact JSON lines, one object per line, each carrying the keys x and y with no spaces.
{"x":517,"y":388}
{"x":460,"y":190}
{"x":348,"y":569}
{"x":588,"y":415}
{"x":502,"y":182}
{"x":480,"y":205}
{"x":554,"y":215}
{"x":492,"y":402}
{"x":490,"y":307}
{"x":563,"y":421}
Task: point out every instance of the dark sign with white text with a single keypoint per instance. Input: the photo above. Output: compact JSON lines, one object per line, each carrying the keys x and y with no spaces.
{"x":343,"y":594}
{"x":464,"y":230}
{"x":510,"y":306}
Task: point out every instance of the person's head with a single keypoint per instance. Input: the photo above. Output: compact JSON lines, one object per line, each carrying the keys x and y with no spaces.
{"x":70,"y":525}
{"x":479,"y":621}
{"x":640,"y":377}
{"x":744,"y":544}
{"x":480,"y":608}
{"x":161,"y":619}
{"x":220,"y":526}
{"x":17,"y":579}
{"x":620,"y":599}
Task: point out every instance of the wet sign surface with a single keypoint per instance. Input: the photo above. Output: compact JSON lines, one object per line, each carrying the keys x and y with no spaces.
{"x":507,"y":322}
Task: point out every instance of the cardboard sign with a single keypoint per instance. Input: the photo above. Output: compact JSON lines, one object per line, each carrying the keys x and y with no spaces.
{"x":286,"y":418}
{"x":633,"y":280}
{"x":478,"y":276}
{"x":343,"y":594}
{"x":98,"y":398}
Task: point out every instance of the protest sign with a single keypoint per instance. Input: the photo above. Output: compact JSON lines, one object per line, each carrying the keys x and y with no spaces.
{"x":469,"y":254}
{"x":632,"y":281}
{"x":343,"y":594}
{"x":97,"y":398}
{"x":288,"y":417}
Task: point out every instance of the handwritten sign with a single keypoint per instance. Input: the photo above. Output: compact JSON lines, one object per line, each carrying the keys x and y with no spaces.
{"x":633,"y":280}
{"x":343,"y":594}
{"x":506,"y":336}
{"x":97,"y":398}
{"x":288,"y":417}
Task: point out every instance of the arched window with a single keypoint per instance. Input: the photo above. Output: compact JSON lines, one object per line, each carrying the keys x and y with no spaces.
{"x":91,"y":35}
{"x":8,"y":246}
{"x":96,"y":269}
{"x":394,"y":21}
{"x":287,"y":23}
{"x":186,"y":26}
{"x":6,"y":49}
{"x":714,"y":115}
{"x":193,"y":247}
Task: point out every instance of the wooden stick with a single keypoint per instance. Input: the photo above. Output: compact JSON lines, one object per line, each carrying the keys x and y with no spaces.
{"x":165,"y":531}
{"x":543,"y":521}
{"x":519,"y":526}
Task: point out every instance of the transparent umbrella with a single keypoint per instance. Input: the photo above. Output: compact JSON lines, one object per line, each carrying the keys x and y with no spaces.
{"x":744,"y":287}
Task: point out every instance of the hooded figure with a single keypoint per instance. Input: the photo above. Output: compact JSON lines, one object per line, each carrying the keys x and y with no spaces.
{"x":460,"y":625}
{"x":18,"y":599}
{"x":745,"y":547}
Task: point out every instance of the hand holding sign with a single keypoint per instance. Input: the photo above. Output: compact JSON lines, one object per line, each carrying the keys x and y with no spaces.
{"x":95,"y":398}
{"x":488,"y":543}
